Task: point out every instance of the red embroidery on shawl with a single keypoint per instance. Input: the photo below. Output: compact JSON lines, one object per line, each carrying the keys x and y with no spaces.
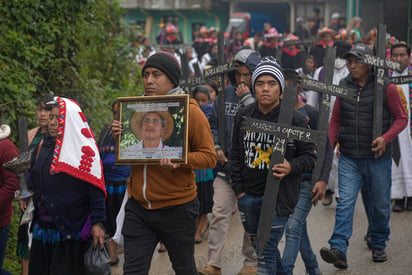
{"x":87,"y":150}
{"x":60,"y":135}
{"x":81,"y":114}
{"x":86,"y":133}
{"x":87,"y":159}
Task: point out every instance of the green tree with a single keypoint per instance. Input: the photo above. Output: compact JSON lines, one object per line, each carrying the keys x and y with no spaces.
{"x":76,"y":49}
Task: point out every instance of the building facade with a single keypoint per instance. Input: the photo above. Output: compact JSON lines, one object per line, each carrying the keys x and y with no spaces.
{"x":190,"y":15}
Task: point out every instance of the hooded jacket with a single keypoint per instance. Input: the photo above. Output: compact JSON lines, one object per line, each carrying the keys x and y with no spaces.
{"x":247,"y":57}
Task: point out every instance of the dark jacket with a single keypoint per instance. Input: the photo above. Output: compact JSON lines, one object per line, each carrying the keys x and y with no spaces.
{"x":266,"y":50}
{"x":355,"y":134}
{"x":318,"y":51}
{"x":249,"y":170}
{"x":249,"y":58}
{"x":68,"y":200}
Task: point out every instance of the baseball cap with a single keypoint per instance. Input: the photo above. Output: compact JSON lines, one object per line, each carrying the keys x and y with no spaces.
{"x":358,"y":50}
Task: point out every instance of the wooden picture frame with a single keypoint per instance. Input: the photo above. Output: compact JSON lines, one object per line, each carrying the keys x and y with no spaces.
{"x":154,"y":127}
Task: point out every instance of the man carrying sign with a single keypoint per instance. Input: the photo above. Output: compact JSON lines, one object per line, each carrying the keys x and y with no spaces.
{"x":250,"y":159}
{"x":351,"y":125}
{"x":163,"y":205}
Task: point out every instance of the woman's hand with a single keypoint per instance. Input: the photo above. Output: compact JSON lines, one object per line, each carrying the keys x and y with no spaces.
{"x":98,"y":235}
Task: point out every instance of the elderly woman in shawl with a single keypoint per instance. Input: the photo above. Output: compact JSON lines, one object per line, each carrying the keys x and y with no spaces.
{"x":69,"y":193}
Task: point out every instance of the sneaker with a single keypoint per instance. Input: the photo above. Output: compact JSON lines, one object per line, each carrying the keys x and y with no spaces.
{"x":248,"y":270}
{"x":209,"y":270}
{"x":313,"y":271}
{"x":399,"y":205}
{"x":328,"y":198}
{"x":379,"y":255}
{"x":334,"y":256}
{"x":368,"y":240}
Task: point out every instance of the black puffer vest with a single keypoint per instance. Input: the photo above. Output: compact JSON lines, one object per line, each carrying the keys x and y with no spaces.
{"x":356,"y":123}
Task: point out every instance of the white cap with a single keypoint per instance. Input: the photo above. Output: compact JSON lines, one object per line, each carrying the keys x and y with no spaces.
{"x":335,"y":16}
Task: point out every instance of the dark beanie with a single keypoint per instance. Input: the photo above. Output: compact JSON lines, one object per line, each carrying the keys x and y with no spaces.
{"x":167,"y":63}
{"x":341,"y":48}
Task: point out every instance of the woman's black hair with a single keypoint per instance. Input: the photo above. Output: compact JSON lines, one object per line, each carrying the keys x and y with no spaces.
{"x":212,"y":84}
{"x":201,"y":89}
{"x":47,"y":102}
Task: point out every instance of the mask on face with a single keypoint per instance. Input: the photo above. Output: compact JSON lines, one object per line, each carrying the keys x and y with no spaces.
{"x":340,"y":63}
{"x":207,"y":109}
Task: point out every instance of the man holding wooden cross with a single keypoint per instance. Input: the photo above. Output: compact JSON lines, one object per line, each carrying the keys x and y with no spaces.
{"x":224,"y":199}
{"x":250,"y":162}
{"x":364,"y":161}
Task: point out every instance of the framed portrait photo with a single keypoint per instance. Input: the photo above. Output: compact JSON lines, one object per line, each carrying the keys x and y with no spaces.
{"x":154,"y":127}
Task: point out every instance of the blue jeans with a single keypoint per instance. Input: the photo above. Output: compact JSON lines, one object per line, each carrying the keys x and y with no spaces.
{"x":269,"y":263}
{"x":374,"y":176}
{"x":296,"y":233}
{"x":4,"y":234}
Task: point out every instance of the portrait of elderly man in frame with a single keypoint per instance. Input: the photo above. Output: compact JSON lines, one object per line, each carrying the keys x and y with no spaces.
{"x":153,"y":128}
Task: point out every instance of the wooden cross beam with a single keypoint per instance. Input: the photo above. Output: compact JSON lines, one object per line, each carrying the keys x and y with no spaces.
{"x":20,"y":165}
{"x":219,"y":70}
{"x":184,"y":64}
{"x":399,"y":80}
{"x":380,"y":62}
{"x":380,"y":73}
{"x":282,"y":131}
{"x":221,"y":59}
{"x":326,"y":89}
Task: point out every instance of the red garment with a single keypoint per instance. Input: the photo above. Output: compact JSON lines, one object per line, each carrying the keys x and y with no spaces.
{"x":8,"y":181}
{"x":270,"y":45}
{"x":289,"y":52}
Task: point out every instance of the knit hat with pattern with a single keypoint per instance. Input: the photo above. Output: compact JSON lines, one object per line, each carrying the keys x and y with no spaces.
{"x":269,"y":66}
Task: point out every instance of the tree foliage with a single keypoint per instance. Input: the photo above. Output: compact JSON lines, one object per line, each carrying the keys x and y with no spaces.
{"x":76,"y":49}
{"x":71,"y":48}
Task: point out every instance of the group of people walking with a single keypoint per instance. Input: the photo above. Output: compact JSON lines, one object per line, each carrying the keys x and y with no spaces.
{"x":71,"y":174}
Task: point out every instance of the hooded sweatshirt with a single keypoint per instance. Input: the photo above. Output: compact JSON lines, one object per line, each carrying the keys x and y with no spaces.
{"x":247,"y":57}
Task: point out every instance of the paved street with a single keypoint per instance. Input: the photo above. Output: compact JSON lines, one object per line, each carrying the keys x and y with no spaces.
{"x":320,"y":224}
